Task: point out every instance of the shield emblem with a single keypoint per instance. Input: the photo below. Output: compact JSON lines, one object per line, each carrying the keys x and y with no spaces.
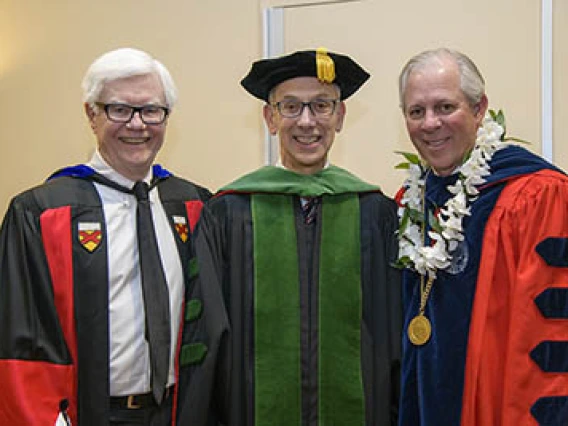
{"x":180,"y":224}
{"x":90,"y":235}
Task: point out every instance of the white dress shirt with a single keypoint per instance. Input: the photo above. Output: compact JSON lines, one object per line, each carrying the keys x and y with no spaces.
{"x":129,"y":359}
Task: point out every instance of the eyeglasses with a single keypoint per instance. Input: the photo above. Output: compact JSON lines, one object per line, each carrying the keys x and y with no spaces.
{"x":123,"y":113}
{"x":291,"y":108}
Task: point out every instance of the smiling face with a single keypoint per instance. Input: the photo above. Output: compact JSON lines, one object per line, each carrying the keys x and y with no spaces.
{"x":129,"y":148}
{"x":441,"y":123}
{"x":305,"y":140}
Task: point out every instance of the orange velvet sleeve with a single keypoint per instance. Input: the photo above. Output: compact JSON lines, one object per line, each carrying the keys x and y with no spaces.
{"x":502,"y":382}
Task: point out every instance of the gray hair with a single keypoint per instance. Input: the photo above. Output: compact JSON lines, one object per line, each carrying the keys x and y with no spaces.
{"x":471,"y":80}
{"x":123,"y":63}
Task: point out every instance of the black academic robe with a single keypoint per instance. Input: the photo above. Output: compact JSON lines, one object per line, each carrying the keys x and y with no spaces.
{"x":315,"y":310}
{"x":54,"y":342}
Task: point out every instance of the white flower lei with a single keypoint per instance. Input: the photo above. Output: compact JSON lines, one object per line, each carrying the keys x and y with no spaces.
{"x":445,"y":237}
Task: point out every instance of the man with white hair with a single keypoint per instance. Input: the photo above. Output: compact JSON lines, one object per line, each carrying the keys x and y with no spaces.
{"x":110,"y":309}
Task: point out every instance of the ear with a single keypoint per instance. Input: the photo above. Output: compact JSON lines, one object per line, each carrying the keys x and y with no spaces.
{"x":481,"y":108}
{"x":91,"y":114}
{"x":269,"y":118}
{"x":341,"y":110}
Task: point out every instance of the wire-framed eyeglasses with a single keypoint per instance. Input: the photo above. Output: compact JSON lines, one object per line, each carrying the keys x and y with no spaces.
{"x":123,"y":113}
{"x":291,"y":108}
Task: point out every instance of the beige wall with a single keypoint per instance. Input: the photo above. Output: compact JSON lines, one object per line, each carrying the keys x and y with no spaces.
{"x":216,"y":133}
{"x":506,"y":47}
{"x":46,"y":47}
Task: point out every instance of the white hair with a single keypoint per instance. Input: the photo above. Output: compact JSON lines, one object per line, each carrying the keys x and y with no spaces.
{"x":123,"y":63}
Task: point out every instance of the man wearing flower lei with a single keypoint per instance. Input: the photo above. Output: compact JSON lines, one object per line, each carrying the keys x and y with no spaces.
{"x":484,"y":241}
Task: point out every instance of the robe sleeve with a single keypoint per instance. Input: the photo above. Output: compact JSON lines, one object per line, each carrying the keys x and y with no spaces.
{"x":209,"y":253}
{"x":215,"y":235}
{"x":393,"y":293}
{"x":395,"y":306}
{"x":505,"y":380}
{"x":204,"y":387}
{"x":36,"y":369}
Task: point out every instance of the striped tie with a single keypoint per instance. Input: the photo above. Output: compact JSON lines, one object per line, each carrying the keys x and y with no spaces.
{"x":309,"y":209}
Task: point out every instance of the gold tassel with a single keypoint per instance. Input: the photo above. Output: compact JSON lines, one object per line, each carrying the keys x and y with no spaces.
{"x":325,"y":66}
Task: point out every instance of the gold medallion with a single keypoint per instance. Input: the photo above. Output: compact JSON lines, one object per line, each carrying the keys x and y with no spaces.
{"x":419,"y":330}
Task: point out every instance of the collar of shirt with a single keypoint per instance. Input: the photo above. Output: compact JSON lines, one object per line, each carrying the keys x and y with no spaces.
{"x":99,"y":164}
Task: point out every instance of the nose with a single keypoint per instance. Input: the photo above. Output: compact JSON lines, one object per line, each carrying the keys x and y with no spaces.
{"x":306,"y":117}
{"x":136,"y":122}
{"x":431,"y":121}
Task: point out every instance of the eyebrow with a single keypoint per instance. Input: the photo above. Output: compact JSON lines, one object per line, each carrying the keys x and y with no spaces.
{"x":150,"y":102}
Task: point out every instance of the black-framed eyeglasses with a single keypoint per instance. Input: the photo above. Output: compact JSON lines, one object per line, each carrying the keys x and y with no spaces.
{"x":123,"y":113}
{"x":291,"y":108}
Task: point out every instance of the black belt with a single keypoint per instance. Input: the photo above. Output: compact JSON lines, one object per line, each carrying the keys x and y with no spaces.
{"x":140,"y":401}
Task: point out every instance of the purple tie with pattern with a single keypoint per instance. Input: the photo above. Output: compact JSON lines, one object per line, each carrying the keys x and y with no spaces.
{"x":309,"y":209}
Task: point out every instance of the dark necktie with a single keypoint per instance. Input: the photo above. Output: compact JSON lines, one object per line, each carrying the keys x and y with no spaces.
{"x":309,"y":209}
{"x":155,"y":292}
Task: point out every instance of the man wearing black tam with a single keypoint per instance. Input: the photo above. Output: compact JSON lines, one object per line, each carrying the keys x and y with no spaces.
{"x":307,"y":249}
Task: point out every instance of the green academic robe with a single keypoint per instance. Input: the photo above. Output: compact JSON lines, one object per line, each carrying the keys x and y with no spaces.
{"x":315,"y":309}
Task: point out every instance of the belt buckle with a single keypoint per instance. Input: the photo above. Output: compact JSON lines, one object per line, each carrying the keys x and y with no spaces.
{"x":131,"y":403}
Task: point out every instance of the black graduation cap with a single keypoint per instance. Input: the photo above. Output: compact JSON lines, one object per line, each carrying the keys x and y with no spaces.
{"x":327,"y":66}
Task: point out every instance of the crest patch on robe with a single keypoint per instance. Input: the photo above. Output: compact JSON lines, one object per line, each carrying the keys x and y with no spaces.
{"x":90,"y":235}
{"x":180,"y":224}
